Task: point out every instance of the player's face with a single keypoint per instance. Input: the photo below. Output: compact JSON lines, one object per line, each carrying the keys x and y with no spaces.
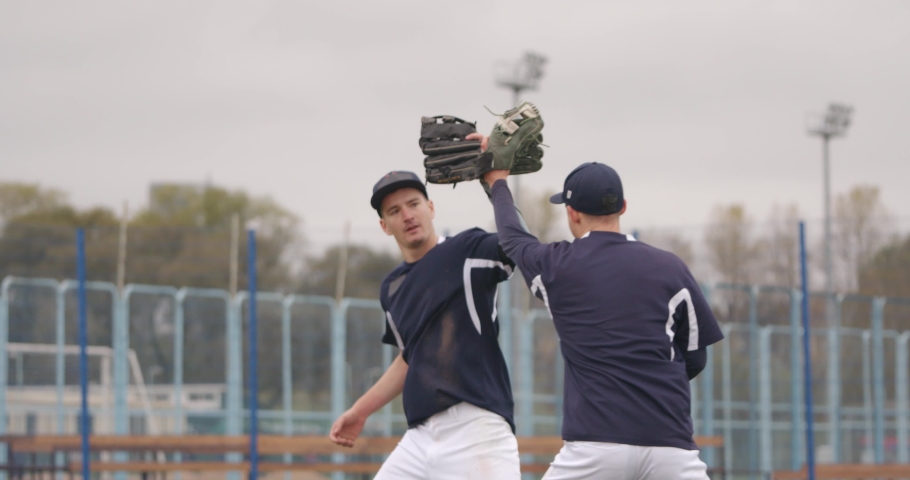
{"x":408,"y":216}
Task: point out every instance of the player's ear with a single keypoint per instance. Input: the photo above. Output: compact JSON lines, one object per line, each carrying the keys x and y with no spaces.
{"x":432,"y":209}
{"x":623,"y":208}
{"x":574,"y":217}
{"x":385,"y":228}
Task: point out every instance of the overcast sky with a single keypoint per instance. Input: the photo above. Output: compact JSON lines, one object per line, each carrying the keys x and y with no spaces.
{"x":694,"y":103}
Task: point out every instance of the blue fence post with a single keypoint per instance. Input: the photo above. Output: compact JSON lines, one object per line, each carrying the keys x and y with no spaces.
{"x":707,"y":393}
{"x":796,"y":377}
{"x":867,"y":391}
{"x":903,"y":409}
{"x":526,"y":373}
{"x":753,"y":379}
{"x":878,"y":377}
{"x":764,"y":373}
{"x":807,"y":356}
{"x":727,"y":393}
{"x":834,"y":384}
{"x":84,"y":420}
{"x":121,"y":341}
{"x":4,"y":365}
{"x":253,"y":360}
{"x":60,"y":370}
{"x":339,"y":370}
{"x":60,"y":360}
{"x":234,"y":400}
{"x":179,"y":298}
{"x":286,"y":387}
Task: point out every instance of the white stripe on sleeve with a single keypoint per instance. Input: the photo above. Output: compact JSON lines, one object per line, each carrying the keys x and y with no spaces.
{"x":388,"y":317}
{"x":472,"y":263}
{"x":683,"y":296}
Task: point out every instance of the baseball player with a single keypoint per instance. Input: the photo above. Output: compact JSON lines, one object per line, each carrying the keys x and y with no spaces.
{"x":440,"y":308}
{"x":633,"y":327}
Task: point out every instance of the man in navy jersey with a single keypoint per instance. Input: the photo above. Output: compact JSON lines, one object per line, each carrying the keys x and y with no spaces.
{"x":633,"y":327}
{"x":440,"y":308}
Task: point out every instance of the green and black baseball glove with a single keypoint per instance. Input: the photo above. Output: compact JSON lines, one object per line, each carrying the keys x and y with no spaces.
{"x":514,"y":145}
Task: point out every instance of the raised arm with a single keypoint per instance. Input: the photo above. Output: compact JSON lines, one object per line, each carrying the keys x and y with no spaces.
{"x":517,"y":242}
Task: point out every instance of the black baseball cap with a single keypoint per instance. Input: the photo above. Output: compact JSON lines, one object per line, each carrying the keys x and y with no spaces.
{"x":395,"y":181}
{"x":592,"y":188}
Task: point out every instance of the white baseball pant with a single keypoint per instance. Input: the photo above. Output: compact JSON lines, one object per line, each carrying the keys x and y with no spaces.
{"x":463,"y":442}
{"x":613,"y":461}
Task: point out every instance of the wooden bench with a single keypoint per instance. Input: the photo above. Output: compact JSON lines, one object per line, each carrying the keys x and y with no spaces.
{"x":848,"y":472}
{"x":269,"y":446}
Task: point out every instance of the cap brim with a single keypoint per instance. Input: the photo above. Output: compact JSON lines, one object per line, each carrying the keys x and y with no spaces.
{"x":376,"y":199}
{"x":557,"y":199}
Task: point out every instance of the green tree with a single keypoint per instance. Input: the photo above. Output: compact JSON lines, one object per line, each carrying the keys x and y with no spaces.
{"x":366,"y":269}
{"x":42,"y":243}
{"x":780,"y":258}
{"x":732,"y":249}
{"x":887,"y":272}
{"x":18,"y":199}
{"x":861,"y":226}
{"x":183,"y":237}
{"x":733,"y":253}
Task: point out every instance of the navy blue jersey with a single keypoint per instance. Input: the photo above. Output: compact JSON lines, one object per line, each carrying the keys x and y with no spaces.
{"x":441,"y":313}
{"x":626,"y":314}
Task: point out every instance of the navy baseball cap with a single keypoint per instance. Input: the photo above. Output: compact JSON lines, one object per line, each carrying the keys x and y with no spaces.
{"x":395,"y":181}
{"x":592,"y":188}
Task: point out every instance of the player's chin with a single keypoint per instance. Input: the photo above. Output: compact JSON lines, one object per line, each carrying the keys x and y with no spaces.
{"x":415,"y":235}
{"x":415,"y":238}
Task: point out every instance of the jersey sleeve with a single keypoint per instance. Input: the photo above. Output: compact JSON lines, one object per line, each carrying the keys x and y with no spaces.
{"x":517,"y":242}
{"x":391,"y":335}
{"x":696,"y":326}
{"x":484,"y":251}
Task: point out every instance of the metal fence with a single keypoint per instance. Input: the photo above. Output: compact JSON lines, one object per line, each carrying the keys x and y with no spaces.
{"x":168,"y":360}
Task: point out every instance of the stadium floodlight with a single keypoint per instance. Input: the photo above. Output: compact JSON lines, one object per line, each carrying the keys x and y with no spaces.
{"x":832,"y":124}
{"x":525,"y":74}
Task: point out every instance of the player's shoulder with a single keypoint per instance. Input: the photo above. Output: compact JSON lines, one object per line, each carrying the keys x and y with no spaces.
{"x":473,"y":233}
{"x":469,"y":237}
{"x":395,"y":273}
{"x":660,"y":256}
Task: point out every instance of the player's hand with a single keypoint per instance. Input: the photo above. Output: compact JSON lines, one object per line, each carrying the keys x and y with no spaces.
{"x":493,"y":175}
{"x":347,"y":428}
{"x":484,"y":140}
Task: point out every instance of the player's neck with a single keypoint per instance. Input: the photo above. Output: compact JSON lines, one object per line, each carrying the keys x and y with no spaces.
{"x":603,"y":227}
{"x":413,"y":254}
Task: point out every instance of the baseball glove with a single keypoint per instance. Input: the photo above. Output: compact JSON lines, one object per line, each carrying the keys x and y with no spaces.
{"x":450,"y":158}
{"x":514,"y":145}
{"x":515,"y":142}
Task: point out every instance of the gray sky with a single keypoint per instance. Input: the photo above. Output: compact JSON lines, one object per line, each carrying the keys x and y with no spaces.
{"x":694,"y":103}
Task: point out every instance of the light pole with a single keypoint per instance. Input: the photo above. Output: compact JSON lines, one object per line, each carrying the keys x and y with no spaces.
{"x":519,"y":76}
{"x":831,"y":124}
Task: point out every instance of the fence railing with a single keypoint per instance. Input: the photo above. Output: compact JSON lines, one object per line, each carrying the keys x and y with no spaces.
{"x":168,"y":360}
